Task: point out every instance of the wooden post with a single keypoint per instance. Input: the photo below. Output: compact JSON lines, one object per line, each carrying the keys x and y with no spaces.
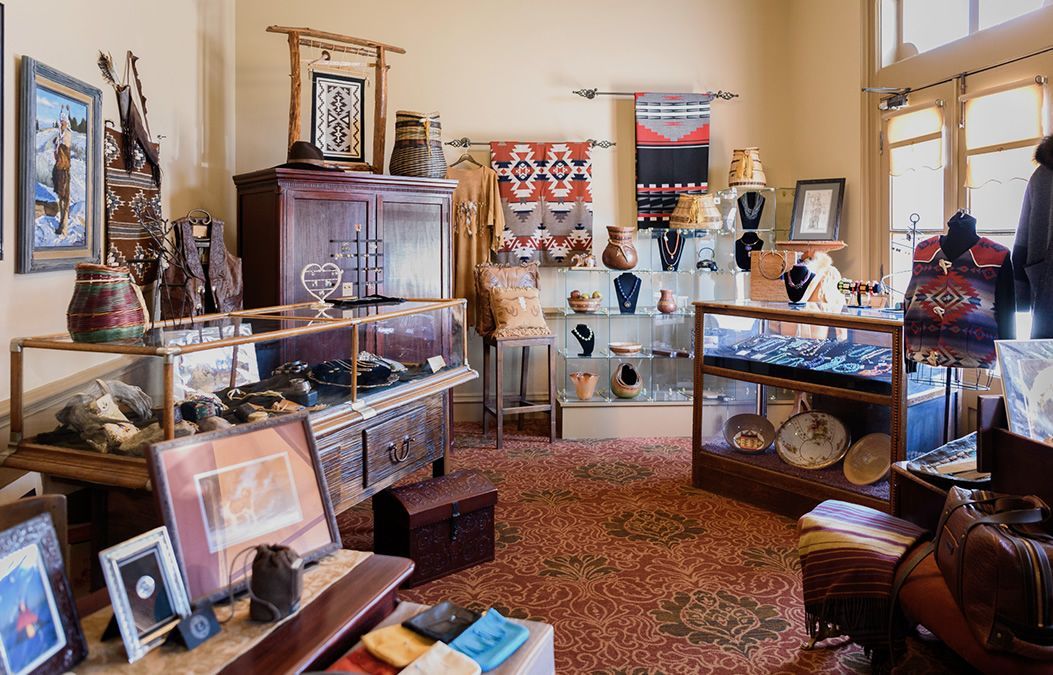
{"x":380,"y":110}
{"x":354,"y":363}
{"x":168,"y":414}
{"x":294,"y":89}
{"x":16,"y":394}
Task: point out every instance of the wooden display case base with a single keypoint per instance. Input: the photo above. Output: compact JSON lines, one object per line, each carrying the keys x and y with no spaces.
{"x":766,"y":481}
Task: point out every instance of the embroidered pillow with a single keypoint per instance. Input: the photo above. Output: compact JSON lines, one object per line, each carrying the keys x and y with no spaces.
{"x":489,"y":276}
{"x":517,"y":313}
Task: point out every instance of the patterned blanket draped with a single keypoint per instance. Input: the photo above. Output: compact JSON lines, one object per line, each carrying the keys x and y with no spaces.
{"x":672,"y":153}
{"x":546,"y":194}
{"x":848,"y":556}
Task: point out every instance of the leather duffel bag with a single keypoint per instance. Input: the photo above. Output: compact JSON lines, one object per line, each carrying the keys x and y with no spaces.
{"x":995,"y":558}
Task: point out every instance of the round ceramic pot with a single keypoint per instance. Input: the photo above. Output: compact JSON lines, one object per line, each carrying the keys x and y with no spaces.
{"x":585,"y":384}
{"x":105,"y":306}
{"x":620,"y":253}
{"x":666,"y":303}
{"x":626,"y":381}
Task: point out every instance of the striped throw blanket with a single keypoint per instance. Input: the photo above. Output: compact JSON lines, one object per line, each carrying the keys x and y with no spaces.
{"x":848,"y":556}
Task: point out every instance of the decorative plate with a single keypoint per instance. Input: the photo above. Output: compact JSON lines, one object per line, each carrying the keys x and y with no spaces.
{"x":869,"y":459}
{"x":749,"y":433}
{"x":625,"y":348}
{"x":812,"y":440}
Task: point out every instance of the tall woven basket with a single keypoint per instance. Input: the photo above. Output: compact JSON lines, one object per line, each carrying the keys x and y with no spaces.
{"x":105,"y":306}
{"x":418,"y":146}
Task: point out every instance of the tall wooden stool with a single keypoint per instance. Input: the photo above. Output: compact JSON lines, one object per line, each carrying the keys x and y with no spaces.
{"x":519,"y":405}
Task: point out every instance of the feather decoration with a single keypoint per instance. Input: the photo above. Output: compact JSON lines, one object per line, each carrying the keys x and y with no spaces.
{"x":106,"y":66}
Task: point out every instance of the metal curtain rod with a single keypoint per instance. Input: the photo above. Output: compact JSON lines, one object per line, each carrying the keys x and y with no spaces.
{"x":464,"y":142}
{"x":593,"y":93}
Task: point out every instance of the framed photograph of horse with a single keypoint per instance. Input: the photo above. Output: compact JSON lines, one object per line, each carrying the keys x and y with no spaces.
{"x":60,"y":164}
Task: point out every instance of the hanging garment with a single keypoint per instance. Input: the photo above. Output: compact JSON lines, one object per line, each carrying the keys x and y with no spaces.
{"x":546,"y":194}
{"x":672,"y":153}
{"x":478,"y":225}
{"x":1033,"y":248}
{"x":951,"y":319}
{"x":199,"y":284}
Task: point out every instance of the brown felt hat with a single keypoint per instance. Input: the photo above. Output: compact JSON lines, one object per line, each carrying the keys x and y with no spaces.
{"x":304,"y":155}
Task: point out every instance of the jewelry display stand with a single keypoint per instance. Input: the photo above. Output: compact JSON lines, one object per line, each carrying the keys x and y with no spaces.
{"x":627,"y":290}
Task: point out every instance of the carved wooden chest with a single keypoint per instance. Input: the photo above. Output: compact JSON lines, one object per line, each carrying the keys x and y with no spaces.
{"x":444,"y":525}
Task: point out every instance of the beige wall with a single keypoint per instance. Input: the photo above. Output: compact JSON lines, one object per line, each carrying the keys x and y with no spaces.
{"x":186,"y":52}
{"x":218,"y":90}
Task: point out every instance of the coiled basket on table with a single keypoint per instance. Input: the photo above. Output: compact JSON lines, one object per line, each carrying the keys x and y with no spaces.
{"x":418,"y":146}
{"x":105,"y":307}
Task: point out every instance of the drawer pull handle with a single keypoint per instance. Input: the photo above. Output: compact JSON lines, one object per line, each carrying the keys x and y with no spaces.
{"x":400,"y":454}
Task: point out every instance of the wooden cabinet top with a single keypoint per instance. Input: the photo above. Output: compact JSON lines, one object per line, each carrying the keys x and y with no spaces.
{"x":344,"y":179}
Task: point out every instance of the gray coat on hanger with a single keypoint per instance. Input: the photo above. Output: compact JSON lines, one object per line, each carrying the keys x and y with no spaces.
{"x":1033,"y":249}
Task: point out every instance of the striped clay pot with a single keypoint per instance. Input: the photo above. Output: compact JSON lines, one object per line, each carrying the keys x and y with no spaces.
{"x":418,"y":146}
{"x":105,"y":306}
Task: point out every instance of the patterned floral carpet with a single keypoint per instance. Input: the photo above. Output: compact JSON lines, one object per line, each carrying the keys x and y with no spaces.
{"x":639,"y":573}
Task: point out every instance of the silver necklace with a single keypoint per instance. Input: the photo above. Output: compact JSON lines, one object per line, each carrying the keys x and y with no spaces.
{"x":798,"y":284}
{"x":627,"y":297}
{"x":751,"y":213}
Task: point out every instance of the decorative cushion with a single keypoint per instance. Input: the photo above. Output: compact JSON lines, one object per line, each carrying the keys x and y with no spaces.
{"x":517,"y":313}
{"x":489,"y":276}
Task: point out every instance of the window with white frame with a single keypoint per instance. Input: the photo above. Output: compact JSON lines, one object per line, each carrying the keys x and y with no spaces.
{"x":916,"y":180}
{"x":918,"y":26}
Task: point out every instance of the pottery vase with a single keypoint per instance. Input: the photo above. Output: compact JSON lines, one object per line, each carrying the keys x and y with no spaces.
{"x":666,"y":303}
{"x":585,"y":384}
{"x":626,"y":381}
{"x":620,"y":253}
{"x":105,"y":306}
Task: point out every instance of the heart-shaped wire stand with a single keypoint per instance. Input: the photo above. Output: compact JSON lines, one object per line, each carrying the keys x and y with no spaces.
{"x":321,"y":281}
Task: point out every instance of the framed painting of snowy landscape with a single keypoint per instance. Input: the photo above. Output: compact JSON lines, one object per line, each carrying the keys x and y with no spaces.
{"x":60,"y":160}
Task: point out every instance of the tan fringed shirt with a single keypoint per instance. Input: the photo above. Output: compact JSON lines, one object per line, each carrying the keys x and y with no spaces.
{"x":478,"y":224}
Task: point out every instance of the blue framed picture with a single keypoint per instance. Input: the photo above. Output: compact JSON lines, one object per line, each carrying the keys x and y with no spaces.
{"x":60,"y":160}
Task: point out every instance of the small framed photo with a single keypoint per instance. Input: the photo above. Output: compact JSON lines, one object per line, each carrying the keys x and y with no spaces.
{"x":223,"y":492}
{"x":817,"y":209}
{"x":146,"y":590}
{"x":1027,"y":378}
{"x":39,"y":627}
{"x":60,"y":170}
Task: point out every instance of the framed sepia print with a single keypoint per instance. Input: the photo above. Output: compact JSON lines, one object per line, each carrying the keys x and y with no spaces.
{"x":338,"y":118}
{"x":817,"y":209}
{"x":1027,"y":378}
{"x":146,"y":590}
{"x":223,"y":492}
{"x":39,"y":627}
{"x":60,"y":165}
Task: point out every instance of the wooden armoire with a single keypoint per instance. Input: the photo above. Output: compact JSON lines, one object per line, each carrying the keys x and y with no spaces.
{"x":390,"y":234}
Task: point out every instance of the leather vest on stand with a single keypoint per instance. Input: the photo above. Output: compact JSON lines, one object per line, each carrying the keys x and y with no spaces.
{"x":193,"y":290}
{"x":950,"y":320}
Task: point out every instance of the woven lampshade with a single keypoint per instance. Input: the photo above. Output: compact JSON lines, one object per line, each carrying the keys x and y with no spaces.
{"x":696,"y":212}
{"x":747,"y":169}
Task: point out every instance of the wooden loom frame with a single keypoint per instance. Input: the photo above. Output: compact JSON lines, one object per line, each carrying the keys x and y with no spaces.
{"x":317,"y":39}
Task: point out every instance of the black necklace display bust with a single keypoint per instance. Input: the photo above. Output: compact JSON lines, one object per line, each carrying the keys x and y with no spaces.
{"x":627,"y":288}
{"x":797,"y":279}
{"x":751,"y":206}
{"x":743,"y":245}
{"x":586,"y":338}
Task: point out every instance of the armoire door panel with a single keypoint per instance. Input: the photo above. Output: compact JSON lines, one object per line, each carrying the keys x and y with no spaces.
{"x":416,"y":264}
{"x":325,"y":231}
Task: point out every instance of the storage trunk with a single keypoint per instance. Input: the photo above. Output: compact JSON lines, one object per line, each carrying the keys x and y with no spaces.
{"x":444,"y":525}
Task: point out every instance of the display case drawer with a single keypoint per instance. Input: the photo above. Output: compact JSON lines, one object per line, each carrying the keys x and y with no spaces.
{"x":403,"y":441}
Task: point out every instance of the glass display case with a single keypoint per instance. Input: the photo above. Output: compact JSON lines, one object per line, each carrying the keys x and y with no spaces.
{"x":845,"y":369}
{"x":342,"y":364}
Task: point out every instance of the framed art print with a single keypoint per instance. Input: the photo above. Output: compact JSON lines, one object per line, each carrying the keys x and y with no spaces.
{"x":146,"y":590}
{"x":60,"y":165}
{"x":817,"y":209}
{"x":39,"y":627}
{"x":1027,"y":378}
{"x":223,"y":492}
{"x":338,"y":117}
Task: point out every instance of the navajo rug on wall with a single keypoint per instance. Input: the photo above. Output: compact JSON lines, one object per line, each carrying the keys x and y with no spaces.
{"x":546,"y":194}
{"x":672,"y":153}
{"x":133,"y":202}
